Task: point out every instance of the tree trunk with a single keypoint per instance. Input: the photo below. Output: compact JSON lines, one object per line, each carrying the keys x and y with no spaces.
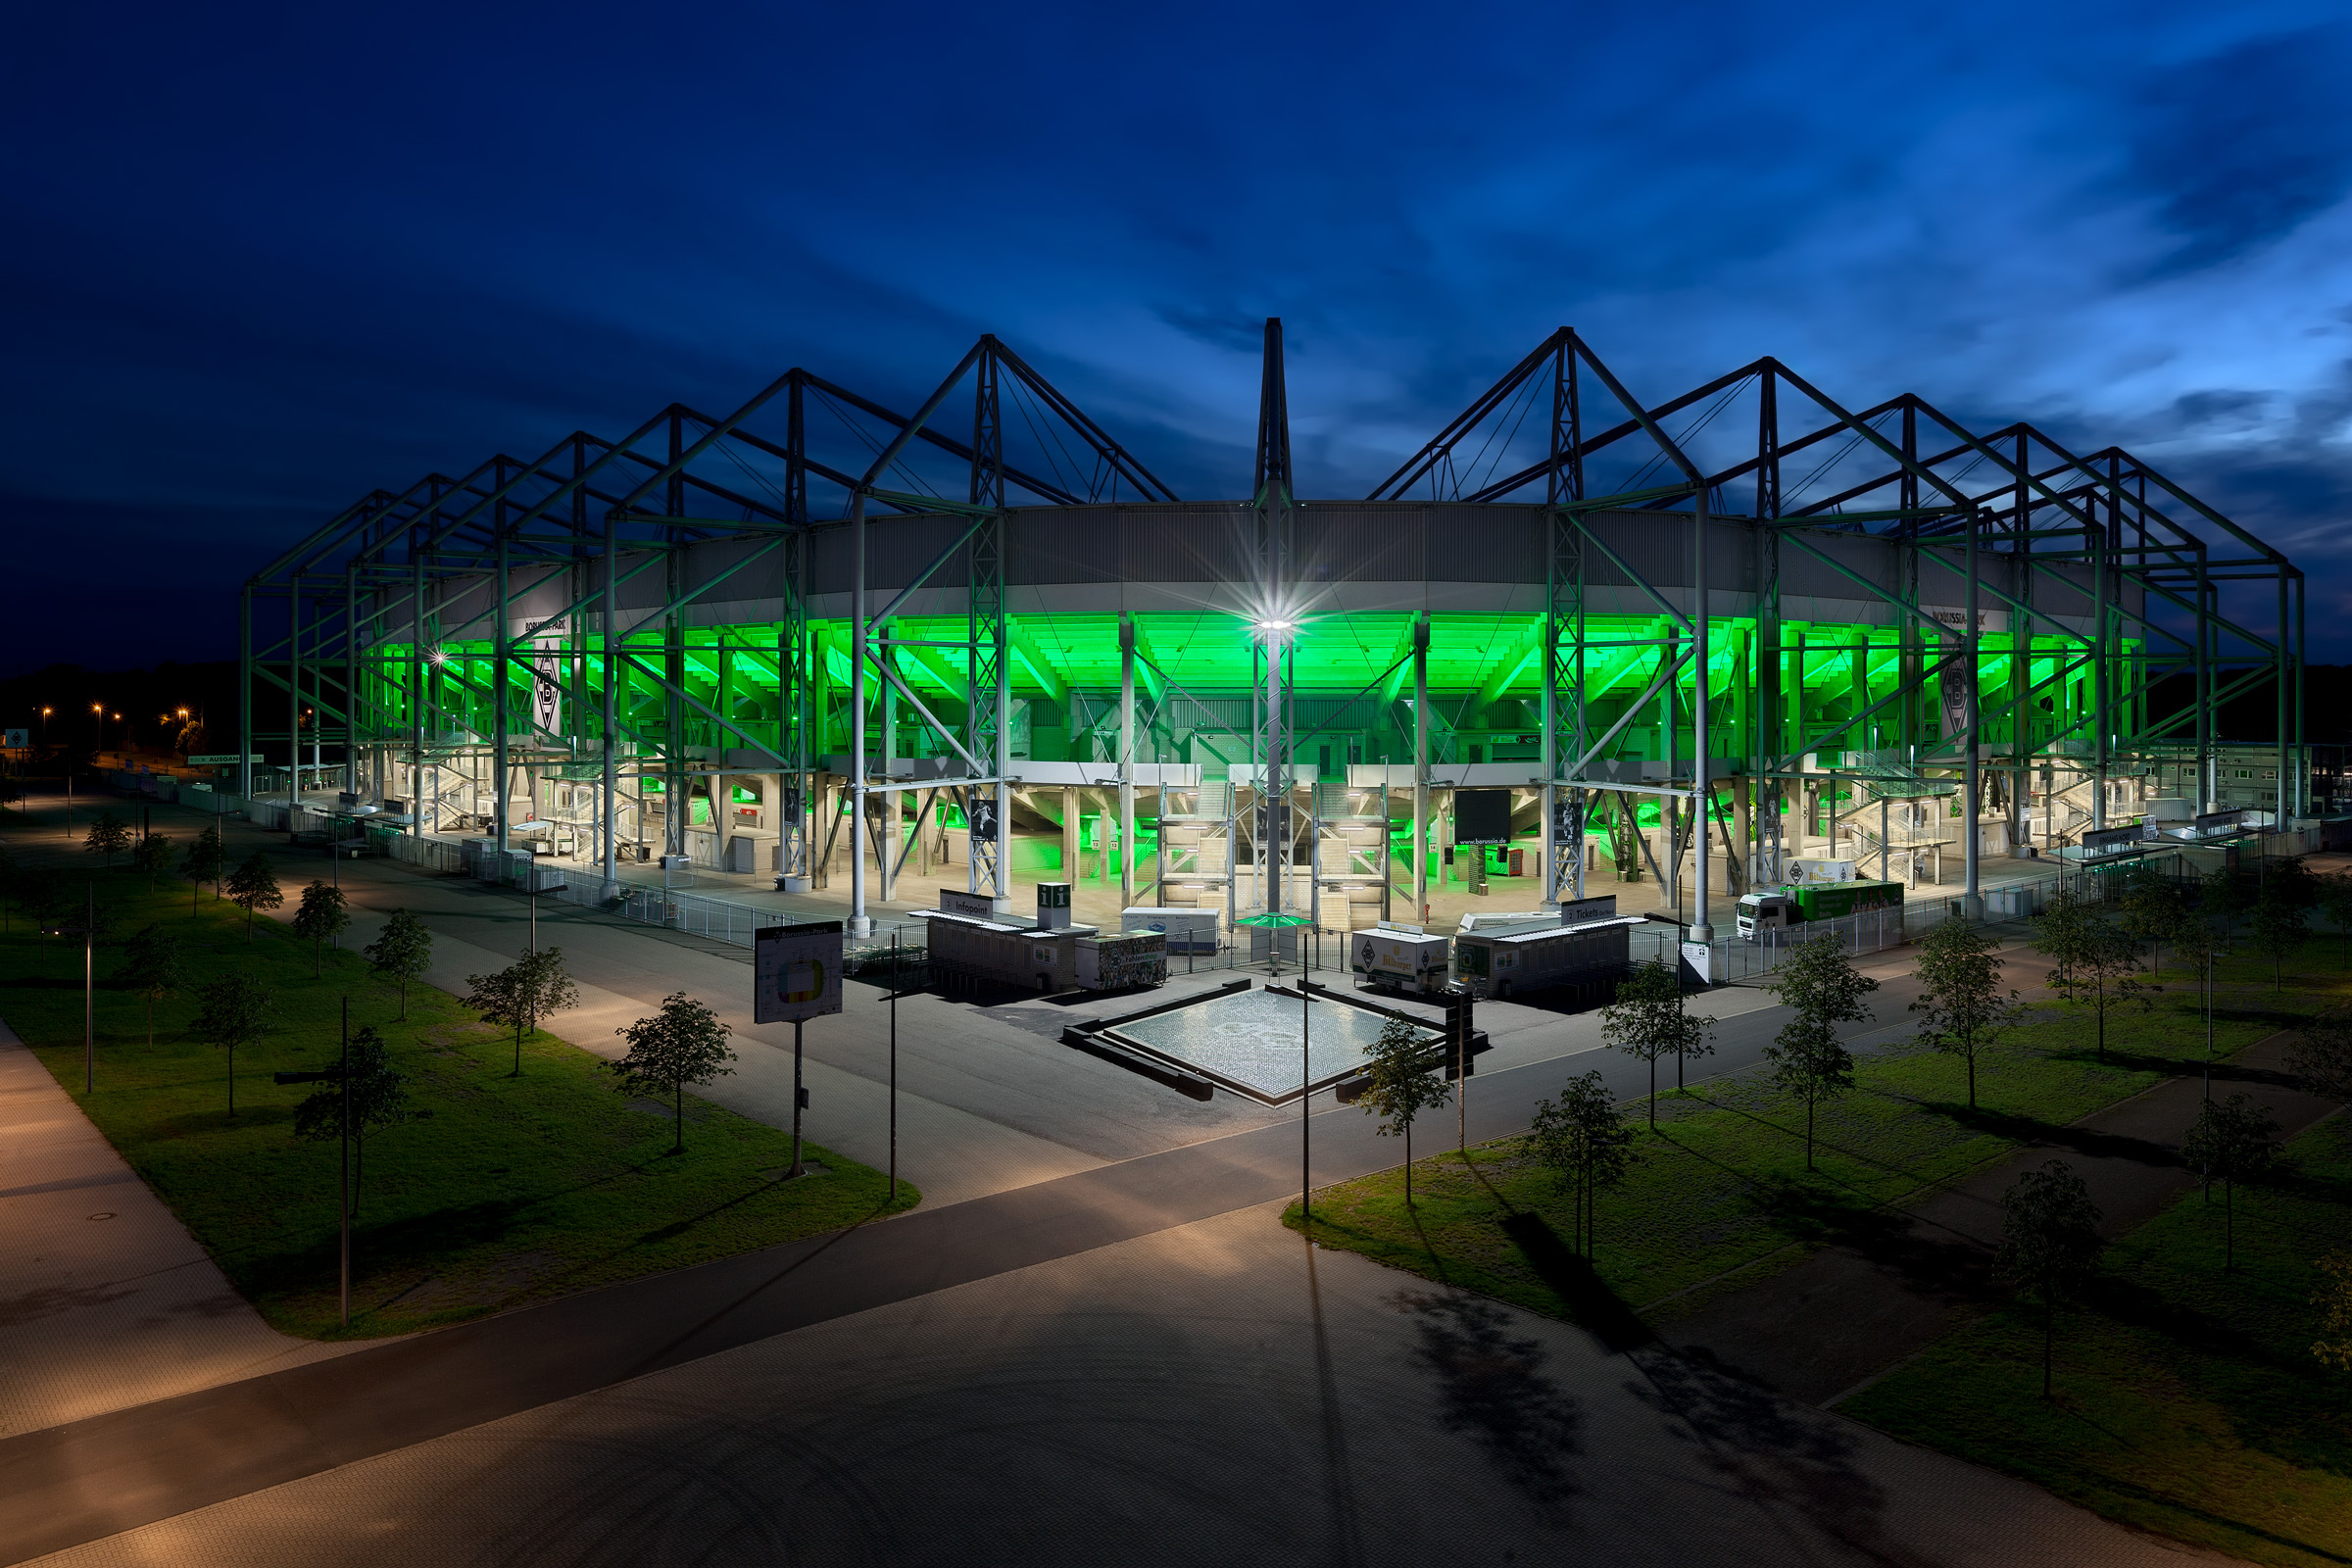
{"x":1653,"y":1090}
{"x":404,"y":999}
{"x":1971,"y":1077}
{"x":1408,"y":1164}
{"x":677,"y":1093}
{"x":2228,"y":1225}
{"x":359,"y":1167}
{"x":2049,"y":1340}
{"x":1808,"y":1132}
{"x":232,"y":1078}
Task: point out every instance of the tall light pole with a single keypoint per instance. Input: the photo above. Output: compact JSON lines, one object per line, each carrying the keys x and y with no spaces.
{"x":88,"y":932}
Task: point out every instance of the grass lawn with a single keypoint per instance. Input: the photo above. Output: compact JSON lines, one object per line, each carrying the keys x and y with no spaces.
{"x":1722,"y":1185}
{"x":513,"y":1189}
{"x":2187,"y":1401}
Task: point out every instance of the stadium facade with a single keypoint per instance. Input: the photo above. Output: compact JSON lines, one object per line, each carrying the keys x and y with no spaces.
{"x":1686,"y":641}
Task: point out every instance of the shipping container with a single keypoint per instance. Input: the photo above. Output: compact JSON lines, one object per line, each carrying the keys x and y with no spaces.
{"x":1400,"y":961}
{"x":1118,"y":963}
{"x":1187,"y":930}
{"x":1522,"y":962}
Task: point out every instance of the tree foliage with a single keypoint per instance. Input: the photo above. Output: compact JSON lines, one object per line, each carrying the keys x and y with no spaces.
{"x":2281,"y":919}
{"x":153,"y":969}
{"x":205,"y":860}
{"x":2097,"y":961}
{"x":2333,"y":1298}
{"x":153,"y":856}
{"x":231,"y":1011}
{"x":109,"y":836}
{"x":2049,"y":1245}
{"x":1649,"y":1020}
{"x":1822,"y":989}
{"x":377,"y":1094}
{"x":322,"y":915}
{"x":2232,"y":1141}
{"x":251,"y":886}
{"x":1964,"y":1007}
{"x":1400,"y":1082}
{"x":2335,"y":891}
{"x":531,"y":988}
{"x":2321,"y":1058}
{"x":401,"y":952}
{"x":683,"y":1043}
{"x":1582,"y":1141}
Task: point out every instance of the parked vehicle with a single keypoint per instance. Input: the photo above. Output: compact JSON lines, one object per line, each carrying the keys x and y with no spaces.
{"x":1794,"y":905}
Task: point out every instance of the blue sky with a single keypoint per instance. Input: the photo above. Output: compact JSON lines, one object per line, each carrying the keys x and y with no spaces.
{"x":262,"y":260}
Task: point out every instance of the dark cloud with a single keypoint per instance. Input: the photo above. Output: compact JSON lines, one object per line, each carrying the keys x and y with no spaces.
{"x":2243,"y":145}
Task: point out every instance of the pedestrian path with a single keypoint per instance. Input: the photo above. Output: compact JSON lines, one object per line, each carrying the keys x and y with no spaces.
{"x":106,"y":1301}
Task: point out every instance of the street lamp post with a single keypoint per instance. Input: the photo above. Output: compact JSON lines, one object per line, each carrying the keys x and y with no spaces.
{"x":88,"y":932}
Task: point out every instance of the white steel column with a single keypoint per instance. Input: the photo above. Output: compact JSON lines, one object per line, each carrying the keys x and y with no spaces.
{"x":1126,"y":760}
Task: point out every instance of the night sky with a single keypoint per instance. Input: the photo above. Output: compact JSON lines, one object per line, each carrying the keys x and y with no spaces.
{"x":262,"y":260}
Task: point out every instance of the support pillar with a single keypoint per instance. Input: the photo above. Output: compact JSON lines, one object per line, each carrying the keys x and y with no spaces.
{"x":1126,"y":760}
{"x":1421,"y":769}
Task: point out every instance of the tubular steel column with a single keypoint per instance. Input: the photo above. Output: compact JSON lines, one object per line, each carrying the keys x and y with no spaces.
{"x":1972,"y":901}
{"x":1702,"y":784}
{"x":610,"y":780}
{"x":351,"y":676}
{"x":861,"y":924}
{"x":244,"y":692}
{"x":416,"y":668}
{"x":1421,"y":768}
{"x":293,"y":699}
{"x":1126,"y":759}
{"x":498,"y":698}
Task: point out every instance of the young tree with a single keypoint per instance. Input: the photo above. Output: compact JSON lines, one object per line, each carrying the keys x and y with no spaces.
{"x":2281,"y":920}
{"x":234,"y":1010}
{"x":1962,"y":999}
{"x":109,"y":836}
{"x":2232,"y":1141}
{"x":2225,"y":894}
{"x":2321,"y":1058}
{"x":254,"y":886}
{"x":2060,"y":931}
{"x":2049,"y":1245}
{"x":401,"y":952}
{"x":2333,"y":1298}
{"x":2153,"y":909}
{"x":322,"y":914}
{"x":682,"y":1044}
{"x":529,"y":989}
{"x":1583,"y":1139}
{"x":153,"y":856}
{"x":1822,"y":988}
{"x":152,"y":970}
{"x":204,"y":863}
{"x":1399,"y":1084}
{"x":2335,"y":904}
{"x":2097,"y":961}
{"x":1648,"y":1021}
{"x":380,"y":1099}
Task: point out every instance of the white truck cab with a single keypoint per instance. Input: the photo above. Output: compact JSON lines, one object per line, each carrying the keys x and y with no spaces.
{"x":1765,"y":912}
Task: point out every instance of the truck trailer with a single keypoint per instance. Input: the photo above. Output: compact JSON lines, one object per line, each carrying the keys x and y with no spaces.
{"x":1800,"y":904}
{"x":1596,"y":952}
{"x":1401,"y":960}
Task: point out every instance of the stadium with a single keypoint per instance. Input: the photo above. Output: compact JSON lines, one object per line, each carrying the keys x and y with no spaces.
{"x":1578,"y":643}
